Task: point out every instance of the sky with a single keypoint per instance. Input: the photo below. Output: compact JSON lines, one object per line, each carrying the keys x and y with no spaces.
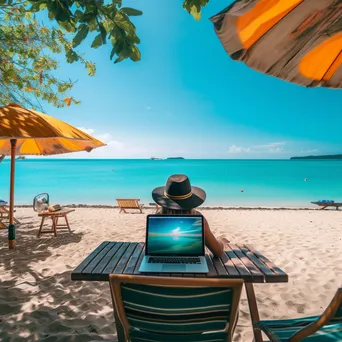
{"x":187,"y":97}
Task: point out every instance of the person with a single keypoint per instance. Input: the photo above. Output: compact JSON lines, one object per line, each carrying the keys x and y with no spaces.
{"x":179,"y":197}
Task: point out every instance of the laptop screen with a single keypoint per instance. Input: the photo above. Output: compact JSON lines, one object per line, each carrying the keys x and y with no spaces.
{"x":176,"y":235}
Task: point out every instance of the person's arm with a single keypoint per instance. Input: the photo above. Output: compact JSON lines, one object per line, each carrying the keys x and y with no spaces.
{"x":214,"y":245}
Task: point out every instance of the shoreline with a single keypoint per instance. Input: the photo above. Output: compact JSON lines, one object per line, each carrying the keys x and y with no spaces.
{"x":104,"y":206}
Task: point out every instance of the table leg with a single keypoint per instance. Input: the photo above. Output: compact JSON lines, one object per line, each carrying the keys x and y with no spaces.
{"x":54,"y":223}
{"x":41,"y":226}
{"x":67,"y":222}
{"x":253,"y":309}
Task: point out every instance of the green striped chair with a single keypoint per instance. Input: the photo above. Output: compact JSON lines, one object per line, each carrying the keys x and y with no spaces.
{"x":324,"y":328}
{"x":166,"y":309}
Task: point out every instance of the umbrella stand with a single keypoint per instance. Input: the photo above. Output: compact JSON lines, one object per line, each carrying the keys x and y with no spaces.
{"x":11,"y":227}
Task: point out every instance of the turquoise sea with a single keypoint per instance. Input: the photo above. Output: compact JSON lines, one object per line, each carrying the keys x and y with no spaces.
{"x":94,"y":181}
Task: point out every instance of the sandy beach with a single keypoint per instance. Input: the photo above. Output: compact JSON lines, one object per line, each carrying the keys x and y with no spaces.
{"x":39,"y":302}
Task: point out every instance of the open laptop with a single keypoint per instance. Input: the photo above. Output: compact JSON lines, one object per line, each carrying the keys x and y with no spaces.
{"x":174,"y":244}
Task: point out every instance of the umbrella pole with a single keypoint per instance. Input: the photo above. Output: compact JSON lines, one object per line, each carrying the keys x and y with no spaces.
{"x":11,"y":227}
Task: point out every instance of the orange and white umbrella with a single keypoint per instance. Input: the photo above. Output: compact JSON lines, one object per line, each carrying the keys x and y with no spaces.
{"x":27,"y":132}
{"x":299,"y":41}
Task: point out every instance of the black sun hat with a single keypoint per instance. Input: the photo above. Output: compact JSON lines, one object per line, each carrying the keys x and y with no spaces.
{"x":179,"y":194}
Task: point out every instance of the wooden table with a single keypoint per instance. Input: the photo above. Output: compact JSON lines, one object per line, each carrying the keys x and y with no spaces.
{"x":239,"y":261}
{"x":54,"y":215}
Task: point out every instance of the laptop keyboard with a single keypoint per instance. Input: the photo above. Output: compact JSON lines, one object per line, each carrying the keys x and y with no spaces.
{"x":173,"y":260}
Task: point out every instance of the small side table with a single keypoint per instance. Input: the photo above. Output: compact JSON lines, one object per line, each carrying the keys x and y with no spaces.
{"x":55,"y":215}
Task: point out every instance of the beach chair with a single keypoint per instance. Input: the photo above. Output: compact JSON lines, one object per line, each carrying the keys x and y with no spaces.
{"x":2,"y":225}
{"x":327,"y":203}
{"x":4,"y":212}
{"x":155,"y":207}
{"x":129,"y":203}
{"x":162,"y":309}
{"x":324,"y":328}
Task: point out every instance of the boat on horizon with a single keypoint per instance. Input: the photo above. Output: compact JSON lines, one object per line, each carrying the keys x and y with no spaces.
{"x":155,"y":158}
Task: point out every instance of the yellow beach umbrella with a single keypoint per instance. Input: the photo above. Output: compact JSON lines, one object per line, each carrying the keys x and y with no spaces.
{"x":27,"y":132}
{"x":299,"y":41}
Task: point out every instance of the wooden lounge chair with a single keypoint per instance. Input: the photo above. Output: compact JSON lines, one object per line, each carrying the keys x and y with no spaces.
{"x":165,"y":309}
{"x":129,"y":203}
{"x":156,"y":207}
{"x":327,"y":204}
{"x":4,"y":212}
{"x":325,"y":328}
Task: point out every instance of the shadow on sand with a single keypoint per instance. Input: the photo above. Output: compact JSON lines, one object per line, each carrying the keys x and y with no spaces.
{"x":38,"y":300}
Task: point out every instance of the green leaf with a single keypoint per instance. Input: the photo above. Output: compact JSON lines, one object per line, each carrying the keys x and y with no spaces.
{"x":131,"y":11}
{"x":71,"y":56}
{"x":91,"y":69}
{"x":28,"y":15}
{"x":119,"y":59}
{"x":112,"y":53}
{"x":78,"y":15}
{"x":103,"y":33}
{"x":136,"y":55}
{"x":195,"y":13}
{"x":92,"y":23}
{"x":82,"y":33}
{"x":97,"y":41}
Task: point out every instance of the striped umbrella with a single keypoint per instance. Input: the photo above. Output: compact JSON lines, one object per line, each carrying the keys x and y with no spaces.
{"x":299,"y":41}
{"x":27,"y":132}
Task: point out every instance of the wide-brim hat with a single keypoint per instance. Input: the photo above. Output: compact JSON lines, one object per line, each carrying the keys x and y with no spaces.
{"x":179,"y":194}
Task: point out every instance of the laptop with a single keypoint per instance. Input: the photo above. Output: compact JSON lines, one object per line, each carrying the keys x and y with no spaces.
{"x":174,"y":244}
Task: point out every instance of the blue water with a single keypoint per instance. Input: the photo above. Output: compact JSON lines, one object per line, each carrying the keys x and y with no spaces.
{"x":264,"y":182}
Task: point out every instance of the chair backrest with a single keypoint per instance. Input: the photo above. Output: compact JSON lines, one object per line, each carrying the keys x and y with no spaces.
{"x":166,"y":306}
{"x":332,"y":316}
{"x":129,"y":203}
{"x":41,"y":202}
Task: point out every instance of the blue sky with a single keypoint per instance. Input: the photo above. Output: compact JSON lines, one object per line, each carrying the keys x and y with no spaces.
{"x":186,"y":97}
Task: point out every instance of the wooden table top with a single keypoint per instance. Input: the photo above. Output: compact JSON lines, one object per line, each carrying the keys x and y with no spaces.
{"x":239,"y":261}
{"x":58,"y":212}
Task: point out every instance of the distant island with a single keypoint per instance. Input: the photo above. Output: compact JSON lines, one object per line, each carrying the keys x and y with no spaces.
{"x":332,"y":156}
{"x":175,"y":158}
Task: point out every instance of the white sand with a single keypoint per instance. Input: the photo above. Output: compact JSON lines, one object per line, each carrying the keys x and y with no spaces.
{"x":39,"y":302}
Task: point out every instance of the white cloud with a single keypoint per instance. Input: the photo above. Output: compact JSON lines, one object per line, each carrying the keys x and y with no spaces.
{"x":274,"y":147}
{"x":238,"y":149}
{"x":270,"y":146}
{"x":86,"y":130}
{"x":113,"y":148}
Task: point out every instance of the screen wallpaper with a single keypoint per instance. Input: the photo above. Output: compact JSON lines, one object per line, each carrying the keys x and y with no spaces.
{"x":175,"y":235}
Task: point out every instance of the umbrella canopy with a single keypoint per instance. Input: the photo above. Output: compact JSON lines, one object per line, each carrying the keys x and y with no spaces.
{"x":40,"y":134}
{"x":299,"y":41}
{"x":27,"y":132}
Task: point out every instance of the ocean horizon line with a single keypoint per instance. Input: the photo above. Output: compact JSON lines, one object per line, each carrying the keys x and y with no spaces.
{"x":43,"y":158}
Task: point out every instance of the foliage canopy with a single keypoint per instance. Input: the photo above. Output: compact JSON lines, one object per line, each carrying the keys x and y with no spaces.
{"x":27,"y":47}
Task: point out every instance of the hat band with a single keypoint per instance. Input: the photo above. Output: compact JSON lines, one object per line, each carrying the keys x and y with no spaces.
{"x":182,"y":197}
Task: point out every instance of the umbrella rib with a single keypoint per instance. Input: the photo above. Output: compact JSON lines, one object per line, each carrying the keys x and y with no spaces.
{"x":40,"y":151}
{"x":335,"y":59}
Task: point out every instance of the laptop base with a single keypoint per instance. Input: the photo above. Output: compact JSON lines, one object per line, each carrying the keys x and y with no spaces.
{"x":147,"y":267}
